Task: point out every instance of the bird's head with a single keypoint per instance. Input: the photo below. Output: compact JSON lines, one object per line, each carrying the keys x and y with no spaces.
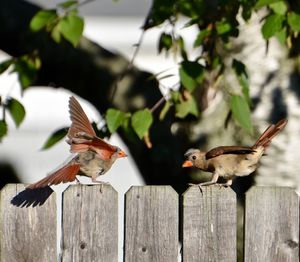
{"x":192,"y":155}
{"x":120,"y":153}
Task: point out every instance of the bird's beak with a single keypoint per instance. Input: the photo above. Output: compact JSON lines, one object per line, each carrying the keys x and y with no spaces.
{"x":122,"y":154}
{"x":187,"y":163}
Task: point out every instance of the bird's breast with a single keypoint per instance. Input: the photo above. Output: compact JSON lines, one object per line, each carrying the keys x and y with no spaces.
{"x":91,"y":165}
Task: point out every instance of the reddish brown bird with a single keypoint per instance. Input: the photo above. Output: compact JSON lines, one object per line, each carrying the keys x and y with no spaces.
{"x":231,"y":161}
{"x":94,"y":157}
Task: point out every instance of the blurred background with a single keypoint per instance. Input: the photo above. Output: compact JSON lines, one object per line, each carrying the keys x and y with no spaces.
{"x":111,"y":33}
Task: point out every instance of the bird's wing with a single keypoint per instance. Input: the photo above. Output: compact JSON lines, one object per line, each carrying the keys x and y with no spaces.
{"x":80,"y":122}
{"x":221,"y":150}
{"x":65,"y":174}
{"x":82,"y":136}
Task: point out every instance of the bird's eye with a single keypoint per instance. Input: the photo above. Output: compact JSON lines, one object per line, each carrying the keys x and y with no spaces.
{"x":194,"y":157}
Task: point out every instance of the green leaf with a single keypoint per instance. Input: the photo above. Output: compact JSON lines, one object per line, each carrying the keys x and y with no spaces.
{"x":187,"y":107}
{"x":261,"y":3}
{"x":165,"y":42}
{"x":55,"y":33}
{"x":241,"y":112}
{"x":191,"y":74}
{"x":128,"y":130}
{"x":281,"y":36}
{"x":294,"y":21}
{"x":41,"y":19}
{"x":279,"y":7}
{"x":26,"y":68}
{"x":141,"y":122}
{"x":71,"y":27}
{"x":16,"y":110}
{"x":67,"y":4}
{"x":272,"y":25}
{"x":55,"y":138}
{"x":3,"y":129}
{"x":223,"y":27}
{"x":5,"y":65}
{"x":114,"y":119}
{"x":201,"y":36}
{"x":164,"y":110}
{"x":241,"y":73}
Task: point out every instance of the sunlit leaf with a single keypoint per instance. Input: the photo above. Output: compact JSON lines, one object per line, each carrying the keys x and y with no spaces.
{"x":187,"y":107}
{"x":279,"y":7}
{"x":41,"y":19}
{"x":272,"y":25}
{"x":16,"y":110}
{"x":241,"y":112}
{"x":55,"y":33}
{"x":141,"y":122}
{"x":164,"y":110}
{"x":294,"y":21}
{"x":261,"y":3}
{"x":114,"y":119}
{"x":55,"y":137}
{"x":71,"y":27}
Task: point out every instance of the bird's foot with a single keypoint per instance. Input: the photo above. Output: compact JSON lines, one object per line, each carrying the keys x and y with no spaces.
{"x":198,"y":185}
{"x":228,"y":183}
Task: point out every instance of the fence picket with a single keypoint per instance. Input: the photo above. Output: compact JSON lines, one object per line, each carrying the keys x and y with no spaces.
{"x":151,"y":224}
{"x":209,"y":224}
{"x":272,"y":225}
{"x":90,"y":224}
{"x":28,"y":233}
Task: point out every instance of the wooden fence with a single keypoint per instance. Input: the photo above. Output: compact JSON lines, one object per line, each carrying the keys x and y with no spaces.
{"x":153,"y":229}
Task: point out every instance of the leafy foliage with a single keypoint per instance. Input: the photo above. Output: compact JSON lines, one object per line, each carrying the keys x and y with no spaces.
{"x":217,"y":23}
{"x":3,"y":129}
{"x":55,"y":137}
{"x":17,"y":111}
{"x":141,"y":122}
{"x":68,"y":25}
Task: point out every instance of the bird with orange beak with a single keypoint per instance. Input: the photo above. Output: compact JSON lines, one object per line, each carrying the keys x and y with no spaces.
{"x":94,"y":157}
{"x":232,"y":161}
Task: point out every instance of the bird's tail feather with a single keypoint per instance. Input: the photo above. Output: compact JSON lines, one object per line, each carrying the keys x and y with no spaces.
{"x":65,"y":174}
{"x":265,"y":139}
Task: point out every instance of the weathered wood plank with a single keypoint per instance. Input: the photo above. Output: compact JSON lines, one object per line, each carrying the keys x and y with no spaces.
{"x":90,"y":224}
{"x":151,"y":224}
{"x":209,"y":224}
{"x":272,"y":225}
{"x":27,"y":234}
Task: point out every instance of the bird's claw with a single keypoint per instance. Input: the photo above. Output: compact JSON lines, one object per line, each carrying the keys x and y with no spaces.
{"x":198,"y":185}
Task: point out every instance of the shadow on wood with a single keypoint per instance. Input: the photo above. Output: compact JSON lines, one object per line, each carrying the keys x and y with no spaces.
{"x":32,"y":197}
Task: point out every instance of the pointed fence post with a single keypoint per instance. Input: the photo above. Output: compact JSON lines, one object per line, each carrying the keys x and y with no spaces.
{"x":27,"y":233}
{"x":209,"y":224}
{"x":151,"y":224}
{"x":272,"y":225}
{"x":90,"y":224}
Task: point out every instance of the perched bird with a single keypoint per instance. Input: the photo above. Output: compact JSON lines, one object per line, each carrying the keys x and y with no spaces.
{"x":94,"y":157}
{"x":231,"y":161}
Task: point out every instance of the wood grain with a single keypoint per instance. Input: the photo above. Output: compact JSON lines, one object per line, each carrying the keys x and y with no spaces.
{"x":151,"y":224}
{"x":272,"y":225}
{"x":90,"y":224}
{"x":209,"y":224}
{"x":27,"y":234}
